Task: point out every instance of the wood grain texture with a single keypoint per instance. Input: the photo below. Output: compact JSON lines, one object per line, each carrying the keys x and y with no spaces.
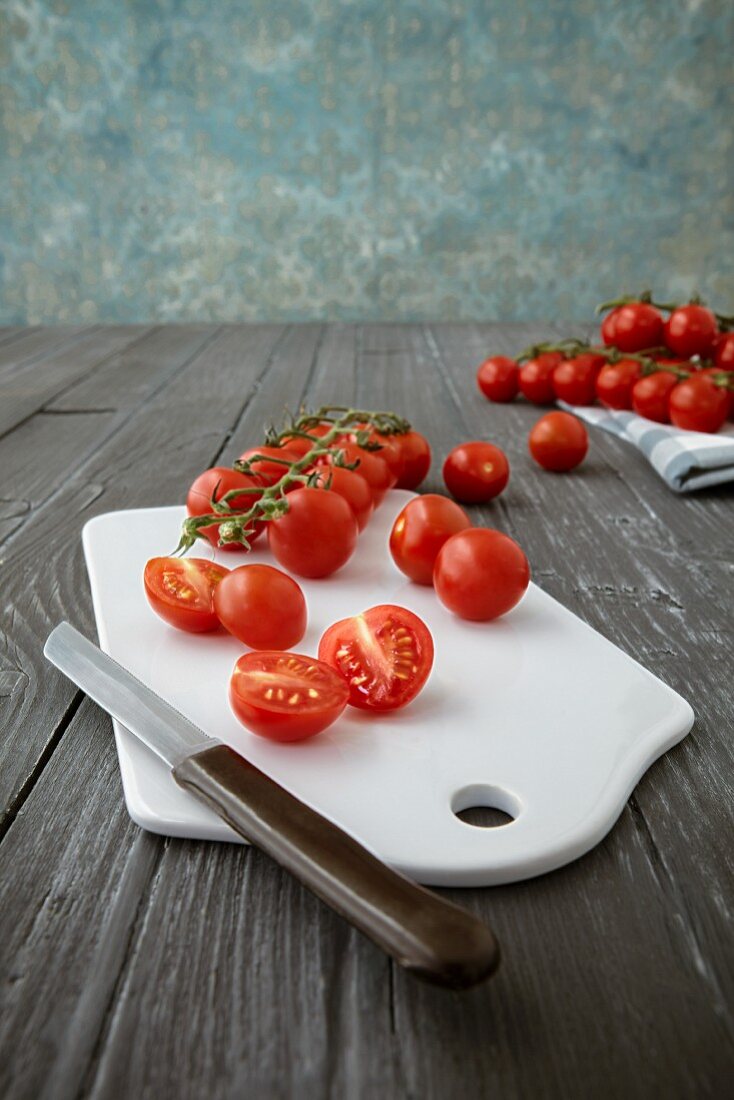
{"x":138,"y":967}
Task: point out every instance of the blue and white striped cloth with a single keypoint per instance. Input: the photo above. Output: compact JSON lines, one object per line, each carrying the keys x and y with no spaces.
{"x":685,"y":460}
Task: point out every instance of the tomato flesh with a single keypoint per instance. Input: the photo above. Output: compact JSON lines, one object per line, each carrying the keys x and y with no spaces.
{"x":286,"y":696}
{"x":181,"y":591}
{"x":261,"y":606}
{"x":384,"y":656}
{"x":420,"y":531}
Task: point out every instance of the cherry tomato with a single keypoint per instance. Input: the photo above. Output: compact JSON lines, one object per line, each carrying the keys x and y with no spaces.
{"x":371,"y":467}
{"x":181,"y":591}
{"x":354,"y":489}
{"x":714,"y":372}
{"x":316,"y":536}
{"x":261,"y":606}
{"x":416,"y":456}
{"x":650,"y":395}
{"x":384,"y":656}
{"x":420,"y":531}
{"x":269,"y":470}
{"x":558,"y":441}
{"x":390,"y":450}
{"x":574,"y":380}
{"x":476,"y":472}
{"x":724,"y":351}
{"x":536,"y":377}
{"x":301,"y":446}
{"x":480,"y":574}
{"x":615,"y":381}
{"x":633,"y":327}
{"x":691,"y":330}
{"x":698,"y":405}
{"x":221,"y":480}
{"x":497,"y":378}
{"x":286,"y":696}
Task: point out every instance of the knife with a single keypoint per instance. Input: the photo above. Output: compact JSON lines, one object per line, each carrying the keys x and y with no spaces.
{"x":431,"y":938}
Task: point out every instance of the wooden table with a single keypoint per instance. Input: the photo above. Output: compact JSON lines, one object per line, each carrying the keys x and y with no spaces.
{"x":136,"y":966}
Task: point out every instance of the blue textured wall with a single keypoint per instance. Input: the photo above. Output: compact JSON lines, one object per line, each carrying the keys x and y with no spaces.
{"x":273,"y":159}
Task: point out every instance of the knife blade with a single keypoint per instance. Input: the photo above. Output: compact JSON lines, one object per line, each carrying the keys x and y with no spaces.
{"x":431,"y":938}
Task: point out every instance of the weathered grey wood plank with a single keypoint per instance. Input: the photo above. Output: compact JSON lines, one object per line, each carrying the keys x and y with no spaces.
{"x":8,"y":333}
{"x":37,"y":345}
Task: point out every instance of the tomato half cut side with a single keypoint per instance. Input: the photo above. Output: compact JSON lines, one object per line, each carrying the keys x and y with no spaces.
{"x":286,"y":696}
{"x":384,"y":655}
{"x":181,"y":591}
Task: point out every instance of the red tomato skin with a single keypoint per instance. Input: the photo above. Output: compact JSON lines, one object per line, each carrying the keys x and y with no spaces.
{"x":480,"y":574}
{"x":174,"y":611}
{"x":691,"y":330}
{"x":420,"y":531}
{"x":265,"y":472}
{"x":416,"y":459}
{"x":713,"y":371}
{"x":724,"y":351}
{"x":372,"y":468}
{"x":400,"y":691}
{"x":316,"y":536}
{"x":497,"y":379}
{"x":615,"y":381}
{"x":698,"y":405}
{"x":286,"y":726}
{"x":558,"y":442}
{"x":261,"y":606}
{"x":390,"y":450}
{"x":535,"y":378}
{"x":650,"y":396}
{"x":574,"y":380}
{"x":222,"y":479}
{"x":633,"y":327}
{"x":476,"y":472}
{"x":353,"y":488}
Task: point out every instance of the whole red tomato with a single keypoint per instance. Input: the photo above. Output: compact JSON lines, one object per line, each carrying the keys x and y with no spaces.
{"x":650,"y":396}
{"x":269,"y":469}
{"x":535,"y":378}
{"x":286,"y":696}
{"x":416,"y":456}
{"x":724,"y":351}
{"x":698,"y":405}
{"x":316,"y":536}
{"x":574,"y":380}
{"x":355,"y":490}
{"x":480,"y":574}
{"x":370,"y":466}
{"x":261,"y":606}
{"x":476,"y":472}
{"x":497,"y":378}
{"x":691,"y":330}
{"x":716,"y":373}
{"x":181,"y":591}
{"x":420,"y":531}
{"x":390,"y":450}
{"x":615,"y":381}
{"x":214,"y":483}
{"x":633,"y":327}
{"x":558,"y":441}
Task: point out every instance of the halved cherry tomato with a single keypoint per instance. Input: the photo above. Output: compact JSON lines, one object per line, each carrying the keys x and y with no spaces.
{"x":416,"y":456}
{"x":316,"y":536}
{"x":261,"y":606}
{"x":650,"y":396}
{"x":286,"y":696}
{"x":420,"y":531}
{"x":633,"y":327}
{"x":614,"y":383}
{"x":383,"y":655}
{"x":373,"y":469}
{"x":691,"y":330}
{"x":476,"y":472}
{"x":698,"y":405}
{"x":497,"y":378}
{"x":270,"y":469}
{"x":724,"y":351}
{"x":181,"y":591}
{"x":480,"y":574}
{"x":574,"y":380}
{"x":350,"y":485}
{"x":558,"y":441}
{"x":218,"y":481}
{"x":536,"y":377}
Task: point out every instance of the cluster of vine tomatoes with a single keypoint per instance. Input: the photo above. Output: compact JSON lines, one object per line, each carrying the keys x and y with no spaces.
{"x":670,"y":369}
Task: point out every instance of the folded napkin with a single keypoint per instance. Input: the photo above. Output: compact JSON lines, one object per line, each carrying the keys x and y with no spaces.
{"x":685,"y":460}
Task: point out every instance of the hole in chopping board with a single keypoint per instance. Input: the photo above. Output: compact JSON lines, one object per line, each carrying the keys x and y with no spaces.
{"x":485,"y":806}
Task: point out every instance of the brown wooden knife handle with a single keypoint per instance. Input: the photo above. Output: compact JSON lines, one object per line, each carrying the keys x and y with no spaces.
{"x":431,"y":938}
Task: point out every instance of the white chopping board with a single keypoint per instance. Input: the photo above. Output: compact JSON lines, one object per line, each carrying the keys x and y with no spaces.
{"x":535,"y":714}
